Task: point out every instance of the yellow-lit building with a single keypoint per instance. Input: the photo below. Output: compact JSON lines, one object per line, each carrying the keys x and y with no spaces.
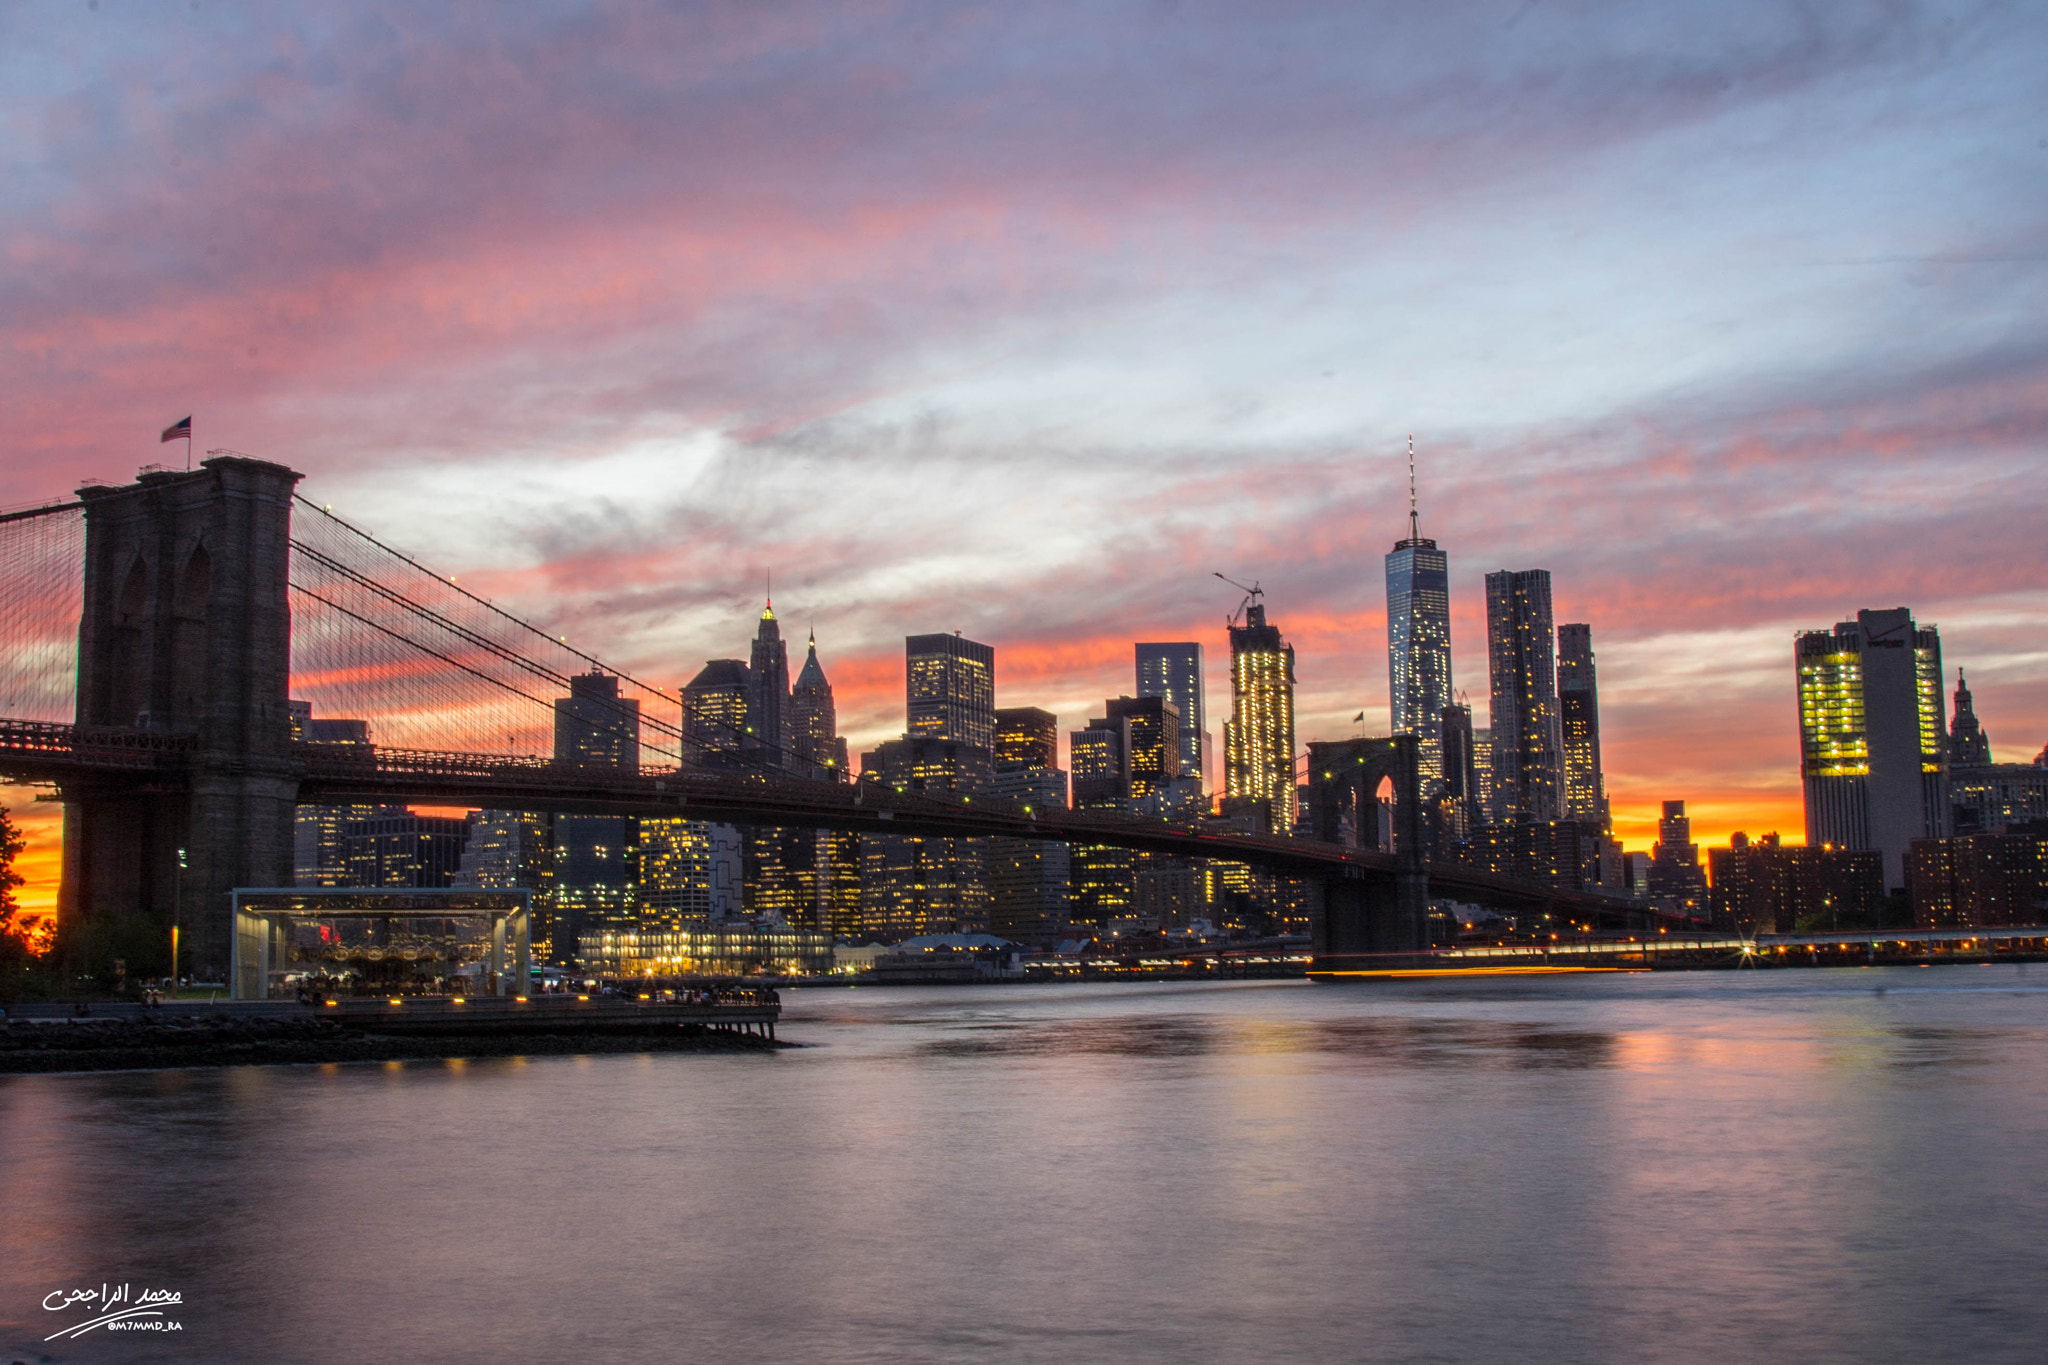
{"x":719,"y":950}
{"x":1258,"y":739}
{"x":1873,"y":749}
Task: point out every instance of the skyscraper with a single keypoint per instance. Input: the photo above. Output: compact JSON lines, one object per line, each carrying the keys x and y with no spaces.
{"x":768,"y":697}
{"x":716,"y":718}
{"x":1677,"y":886}
{"x":1028,"y":877}
{"x":1120,"y":759}
{"x":595,"y":727}
{"x":813,"y":730}
{"x":597,"y":864}
{"x":1578,"y":709}
{"x":1461,"y":804}
{"x":918,"y":884}
{"x":1027,"y":737}
{"x":1258,"y":739}
{"x":1528,"y":775}
{"x":1873,"y":750}
{"x":1968,"y":744}
{"x":716,"y":715}
{"x":1419,"y":637}
{"x":1174,"y":670}
{"x":950,"y":686}
{"x":825,"y":864}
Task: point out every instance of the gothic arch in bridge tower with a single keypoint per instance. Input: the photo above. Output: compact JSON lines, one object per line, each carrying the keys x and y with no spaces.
{"x":131,"y":641}
{"x":185,"y":631}
{"x":188,"y":638}
{"x":1369,"y":923}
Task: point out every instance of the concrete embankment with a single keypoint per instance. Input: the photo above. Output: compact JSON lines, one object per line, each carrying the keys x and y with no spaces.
{"x":90,"y":1044}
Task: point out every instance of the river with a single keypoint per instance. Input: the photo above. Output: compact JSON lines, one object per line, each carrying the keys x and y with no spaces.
{"x":1792,"y":1165}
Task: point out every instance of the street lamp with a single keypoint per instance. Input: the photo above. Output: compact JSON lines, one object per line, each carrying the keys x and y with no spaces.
{"x":177,"y":899}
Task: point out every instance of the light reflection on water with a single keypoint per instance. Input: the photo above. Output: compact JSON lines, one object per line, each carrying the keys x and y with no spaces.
{"x":1834,"y":1165}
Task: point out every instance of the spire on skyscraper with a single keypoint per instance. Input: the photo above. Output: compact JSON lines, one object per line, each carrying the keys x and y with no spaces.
{"x":1967,"y":742}
{"x":1414,"y":518}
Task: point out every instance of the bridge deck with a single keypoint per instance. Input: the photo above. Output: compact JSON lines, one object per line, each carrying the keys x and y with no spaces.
{"x":338,"y":775}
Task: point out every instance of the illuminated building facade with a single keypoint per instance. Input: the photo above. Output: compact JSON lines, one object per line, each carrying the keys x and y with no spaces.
{"x":717,"y":706}
{"x":319,"y":855}
{"x":1459,"y":806}
{"x":1027,"y":737}
{"x":1482,"y":772}
{"x":915,"y":884}
{"x":1258,"y":739}
{"x":1028,"y":878}
{"x":778,"y":868}
{"x":1419,"y":645}
{"x":825,"y":863}
{"x":675,"y":873}
{"x":768,"y":693}
{"x":597,"y":857}
{"x":950,"y":689}
{"x":1528,"y":767}
{"x":394,"y":847}
{"x":511,"y":850}
{"x":1578,"y":710}
{"x":1764,"y":887}
{"x":1980,"y":879}
{"x":1873,"y":747}
{"x":1173,"y":670}
{"x":1127,"y":761}
{"x":1100,"y":876}
{"x":739,"y":950}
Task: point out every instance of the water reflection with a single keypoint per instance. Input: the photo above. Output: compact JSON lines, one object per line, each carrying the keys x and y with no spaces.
{"x":1392,"y":1041}
{"x":1608,"y":1170}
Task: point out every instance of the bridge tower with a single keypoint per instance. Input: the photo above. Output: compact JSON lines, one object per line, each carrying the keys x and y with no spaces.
{"x":1365,"y":922}
{"x":185,"y":630}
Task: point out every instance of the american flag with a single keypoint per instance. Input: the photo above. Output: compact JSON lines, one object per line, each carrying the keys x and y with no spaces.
{"x":180,"y":430}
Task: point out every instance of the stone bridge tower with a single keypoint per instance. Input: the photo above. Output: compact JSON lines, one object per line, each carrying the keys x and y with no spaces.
{"x":1365,"y":922}
{"x":185,"y":630}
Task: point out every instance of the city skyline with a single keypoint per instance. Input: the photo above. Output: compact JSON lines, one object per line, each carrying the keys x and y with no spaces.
{"x":1690,"y":374}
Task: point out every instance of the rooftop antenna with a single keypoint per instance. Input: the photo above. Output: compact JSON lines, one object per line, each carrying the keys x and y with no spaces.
{"x":1414,"y":521}
{"x":1251,"y":594}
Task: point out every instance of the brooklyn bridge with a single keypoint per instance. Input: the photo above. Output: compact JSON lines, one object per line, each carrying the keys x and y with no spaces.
{"x":157,"y":631}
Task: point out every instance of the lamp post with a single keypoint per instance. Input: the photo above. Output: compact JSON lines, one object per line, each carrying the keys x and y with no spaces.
{"x":177,"y":901}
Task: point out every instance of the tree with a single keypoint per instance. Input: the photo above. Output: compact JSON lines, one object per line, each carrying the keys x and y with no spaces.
{"x":15,"y":936}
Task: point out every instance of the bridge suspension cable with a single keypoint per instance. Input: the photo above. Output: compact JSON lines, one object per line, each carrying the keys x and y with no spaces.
{"x":42,"y":587}
{"x":429,"y":664}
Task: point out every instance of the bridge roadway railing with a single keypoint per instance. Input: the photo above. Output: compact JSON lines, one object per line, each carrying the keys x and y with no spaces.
{"x":38,"y":751}
{"x":346,"y":773}
{"x":30,"y":746}
{"x":385,"y":774}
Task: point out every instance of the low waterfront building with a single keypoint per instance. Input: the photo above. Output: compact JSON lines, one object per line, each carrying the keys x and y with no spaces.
{"x":1980,"y":879}
{"x":710,"y":950}
{"x":1766,"y":887}
{"x":1571,"y":855}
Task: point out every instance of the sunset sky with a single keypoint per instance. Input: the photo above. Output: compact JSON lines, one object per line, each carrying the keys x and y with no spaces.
{"x":1024,"y":319}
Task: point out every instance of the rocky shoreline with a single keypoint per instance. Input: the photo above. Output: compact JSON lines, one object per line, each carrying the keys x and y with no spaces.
{"x":228,"y":1040}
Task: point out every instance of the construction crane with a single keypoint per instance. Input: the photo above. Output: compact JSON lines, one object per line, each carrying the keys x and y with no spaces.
{"x":1251,"y":595}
